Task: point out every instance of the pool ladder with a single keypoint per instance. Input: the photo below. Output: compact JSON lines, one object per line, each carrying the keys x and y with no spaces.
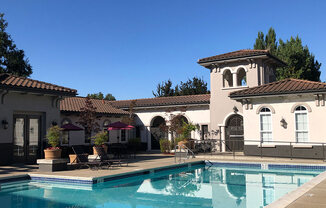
{"x":182,"y":152}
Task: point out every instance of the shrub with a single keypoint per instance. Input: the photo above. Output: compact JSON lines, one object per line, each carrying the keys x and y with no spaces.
{"x":100,"y":138}
{"x":165,"y":145}
{"x":53,"y":136}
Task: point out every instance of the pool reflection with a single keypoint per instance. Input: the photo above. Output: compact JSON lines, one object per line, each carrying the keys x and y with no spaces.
{"x":196,"y":187}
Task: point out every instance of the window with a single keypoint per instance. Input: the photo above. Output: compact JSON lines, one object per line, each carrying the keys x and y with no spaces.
{"x":241,"y":77}
{"x":123,"y":135}
{"x":65,"y":137}
{"x":265,"y":125}
{"x":106,"y":123}
{"x":227,"y":79}
{"x":204,"y":131}
{"x":301,"y":124}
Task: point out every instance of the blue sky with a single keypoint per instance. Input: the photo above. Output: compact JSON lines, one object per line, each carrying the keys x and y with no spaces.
{"x":127,"y":47}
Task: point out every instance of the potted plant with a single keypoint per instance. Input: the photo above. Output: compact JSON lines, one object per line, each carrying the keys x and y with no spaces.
{"x":165,"y":146}
{"x":185,"y":131}
{"x":99,"y":140}
{"x":53,"y":137}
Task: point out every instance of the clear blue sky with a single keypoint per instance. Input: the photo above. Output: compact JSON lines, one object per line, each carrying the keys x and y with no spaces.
{"x":127,"y":47}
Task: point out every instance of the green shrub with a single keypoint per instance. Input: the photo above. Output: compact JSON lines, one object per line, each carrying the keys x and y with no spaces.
{"x":53,"y":136}
{"x":165,"y":145}
{"x":100,"y":138}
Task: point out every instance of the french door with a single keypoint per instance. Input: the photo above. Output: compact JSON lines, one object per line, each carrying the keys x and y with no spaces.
{"x":27,"y":138}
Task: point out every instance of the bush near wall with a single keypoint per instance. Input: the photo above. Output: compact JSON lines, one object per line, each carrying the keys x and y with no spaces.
{"x":165,"y":145}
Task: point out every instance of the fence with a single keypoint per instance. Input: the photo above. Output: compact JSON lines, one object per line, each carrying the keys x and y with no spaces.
{"x":304,"y":150}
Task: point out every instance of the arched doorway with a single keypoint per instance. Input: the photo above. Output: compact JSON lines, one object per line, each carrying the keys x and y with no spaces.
{"x":157,"y":132}
{"x":234,"y":140}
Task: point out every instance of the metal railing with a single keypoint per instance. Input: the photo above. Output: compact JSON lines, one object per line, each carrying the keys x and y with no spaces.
{"x":302,"y":150}
{"x":182,"y":151}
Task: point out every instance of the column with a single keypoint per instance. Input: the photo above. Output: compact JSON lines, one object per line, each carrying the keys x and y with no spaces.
{"x":148,"y":136}
{"x":235,"y":81}
{"x":222,"y":132}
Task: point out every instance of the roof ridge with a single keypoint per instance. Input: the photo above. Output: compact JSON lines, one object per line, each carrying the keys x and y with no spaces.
{"x":308,"y":81}
{"x":41,"y":82}
{"x":158,"y":98}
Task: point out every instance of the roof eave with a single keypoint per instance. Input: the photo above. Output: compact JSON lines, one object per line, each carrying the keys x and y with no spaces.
{"x":257,"y":95}
{"x":40,"y":91}
{"x":241,"y":58}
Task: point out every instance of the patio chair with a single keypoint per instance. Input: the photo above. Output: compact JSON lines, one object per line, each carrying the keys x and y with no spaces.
{"x":82,"y":159}
{"x":105,"y":159}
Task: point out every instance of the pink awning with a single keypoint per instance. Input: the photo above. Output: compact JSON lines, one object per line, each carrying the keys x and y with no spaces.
{"x":119,"y":125}
{"x":71,"y":127}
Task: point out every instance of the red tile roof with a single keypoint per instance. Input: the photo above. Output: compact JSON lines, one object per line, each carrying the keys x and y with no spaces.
{"x":239,"y":54}
{"x":74,"y":104}
{"x":8,"y":81}
{"x":286,"y":86}
{"x":164,"y":101}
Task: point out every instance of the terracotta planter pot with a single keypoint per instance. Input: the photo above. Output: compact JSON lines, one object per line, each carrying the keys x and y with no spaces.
{"x":52,"y":154}
{"x":185,"y":143}
{"x":104,"y":147}
{"x":73,"y":159}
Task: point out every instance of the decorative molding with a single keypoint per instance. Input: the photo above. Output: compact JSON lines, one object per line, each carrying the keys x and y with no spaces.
{"x":316,"y":99}
{"x":303,"y":104}
{"x":265,"y":106}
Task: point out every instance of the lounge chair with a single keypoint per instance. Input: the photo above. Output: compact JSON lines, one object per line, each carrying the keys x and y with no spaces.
{"x":105,"y":159}
{"x":82,"y":159}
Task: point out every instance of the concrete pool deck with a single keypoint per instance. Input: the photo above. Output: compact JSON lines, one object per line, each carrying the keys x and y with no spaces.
{"x":311,"y":194}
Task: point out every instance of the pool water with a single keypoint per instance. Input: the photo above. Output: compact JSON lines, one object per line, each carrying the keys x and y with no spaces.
{"x":198,"y":186}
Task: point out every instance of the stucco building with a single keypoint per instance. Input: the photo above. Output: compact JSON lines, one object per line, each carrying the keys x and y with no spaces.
{"x":246,"y":104}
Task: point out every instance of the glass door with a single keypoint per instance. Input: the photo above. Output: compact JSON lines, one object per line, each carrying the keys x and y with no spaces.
{"x":26,"y":138}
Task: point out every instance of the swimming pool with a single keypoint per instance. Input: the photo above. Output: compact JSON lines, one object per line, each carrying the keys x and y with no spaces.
{"x":217,"y":185}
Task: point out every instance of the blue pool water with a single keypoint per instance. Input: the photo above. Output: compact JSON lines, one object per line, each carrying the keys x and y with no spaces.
{"x":198,"y":186}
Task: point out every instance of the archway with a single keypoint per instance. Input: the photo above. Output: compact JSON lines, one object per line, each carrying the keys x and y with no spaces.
{"x":234,"y":139}
{"x":157,"y":132}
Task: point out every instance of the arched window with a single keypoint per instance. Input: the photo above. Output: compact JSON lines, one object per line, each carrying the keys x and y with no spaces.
{"x":106,"y":123}
{"x":65,"y":121}
{"x":227,"y":78}
{"x":301,"y":124}
{"x":265,"y":125}
{"x":241,"y":77}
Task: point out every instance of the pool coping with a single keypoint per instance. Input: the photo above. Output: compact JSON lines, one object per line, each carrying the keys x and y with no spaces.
{"x":95,"y":180}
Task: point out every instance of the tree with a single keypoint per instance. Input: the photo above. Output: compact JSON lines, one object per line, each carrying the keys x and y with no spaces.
{"x":87,"y":119}
{"x":192,"y":86}
{"x":301,"y":64}
{"x":12,"y":60}
{"x":100,"y":96}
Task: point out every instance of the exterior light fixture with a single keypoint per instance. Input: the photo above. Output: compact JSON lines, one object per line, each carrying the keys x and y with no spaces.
{"x":235,"y":109}
{"x":5,"y":124}
{"x":283,"y":123}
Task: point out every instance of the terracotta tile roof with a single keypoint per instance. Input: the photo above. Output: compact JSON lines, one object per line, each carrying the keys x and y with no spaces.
{"x":238,"y":54}
{"x":14,"y":82}
{"x":286,"y":86}
{"x":164,"y":101}
{"x":74,"y":104}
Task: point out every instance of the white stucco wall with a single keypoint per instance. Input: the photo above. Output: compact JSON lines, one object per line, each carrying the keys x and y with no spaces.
{"x":282,"y":106}
{"x":196,"y":114}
